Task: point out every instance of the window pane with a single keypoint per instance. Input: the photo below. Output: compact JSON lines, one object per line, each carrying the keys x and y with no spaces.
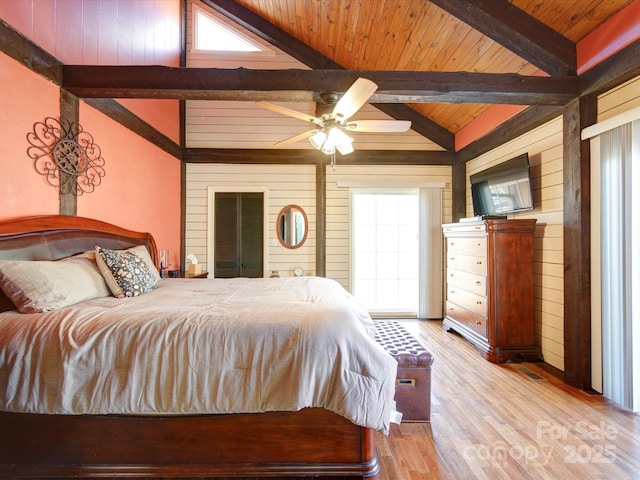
{"x":385,"y":250}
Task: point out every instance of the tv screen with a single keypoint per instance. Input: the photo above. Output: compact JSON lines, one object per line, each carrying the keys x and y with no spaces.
{"x":502,"y":189}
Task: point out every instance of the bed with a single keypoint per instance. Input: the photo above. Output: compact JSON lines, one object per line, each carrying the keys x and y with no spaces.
{"x":59,"y":425}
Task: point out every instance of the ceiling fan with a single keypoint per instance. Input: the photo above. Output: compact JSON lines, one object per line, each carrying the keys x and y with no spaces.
{"x":332,"y":119}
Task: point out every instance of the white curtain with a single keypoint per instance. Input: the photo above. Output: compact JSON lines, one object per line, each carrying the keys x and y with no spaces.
{"x":619,"y":173}
{"x":430,"y":300}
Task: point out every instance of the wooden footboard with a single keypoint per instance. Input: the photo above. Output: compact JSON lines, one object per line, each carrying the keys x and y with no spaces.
{"x":310,"y":442}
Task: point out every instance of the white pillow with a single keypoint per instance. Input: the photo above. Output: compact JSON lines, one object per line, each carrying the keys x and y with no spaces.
{"x":42,"y":286}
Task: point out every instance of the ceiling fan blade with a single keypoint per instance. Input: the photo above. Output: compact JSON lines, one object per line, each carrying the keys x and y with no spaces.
{"x":354,"y":98}
{"x":388,"y":126}
{"x":296,"y":138}
{"x":288,"y":111}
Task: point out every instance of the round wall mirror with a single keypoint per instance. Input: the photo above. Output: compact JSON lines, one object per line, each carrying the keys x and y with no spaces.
{"x":292,"y":226}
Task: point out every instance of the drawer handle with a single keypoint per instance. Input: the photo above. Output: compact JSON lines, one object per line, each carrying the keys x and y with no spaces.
{"x":451,"y":309}
{"x":478,"y":322}
{"x":478,"y":302}
{"x":452,"y":291}
{"x":478,"y":282}
{"x":406,"y":382}
{"x":479,"y":262}
{"x":452,"y":258}
{"x":451,"y":275}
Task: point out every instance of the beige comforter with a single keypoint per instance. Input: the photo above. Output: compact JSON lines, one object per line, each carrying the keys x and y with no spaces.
{"x":201,"y":346}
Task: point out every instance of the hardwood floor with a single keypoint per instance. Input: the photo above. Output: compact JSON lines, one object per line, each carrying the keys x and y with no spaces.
{"x":497,"y":422}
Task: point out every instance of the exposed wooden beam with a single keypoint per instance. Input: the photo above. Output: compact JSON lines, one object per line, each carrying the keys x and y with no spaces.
{"x":419,"y":124}
{"x":458,"y":191}
{"x":70,"y":111}
{"x":516,"y":30}
{"x":520,"y":124}
{"x":23,"y":50}
{"x":315,"y":60}
{"x":312,"y":157}
{"x":617,"y":69}
{"x":124,"y":117}
{"x":154,"y":81}
{"x":272,"y":34}
{"x":321,"y":219}
{"x":577,"y":237}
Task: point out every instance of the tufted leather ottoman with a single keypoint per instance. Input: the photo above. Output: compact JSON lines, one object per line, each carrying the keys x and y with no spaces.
{"x":413,"y":381}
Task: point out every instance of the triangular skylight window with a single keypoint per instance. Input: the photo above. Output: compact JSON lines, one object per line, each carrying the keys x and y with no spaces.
{"x":213,"y":36}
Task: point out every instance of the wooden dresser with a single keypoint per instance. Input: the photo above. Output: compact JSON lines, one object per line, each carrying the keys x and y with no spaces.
{"x":490,"y":292}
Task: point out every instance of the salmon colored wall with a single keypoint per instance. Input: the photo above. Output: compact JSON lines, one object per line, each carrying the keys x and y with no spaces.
{"x":161,"y":114}
{"x":114,"y":32}
{"x":25,"y":98}
{"x":612,"y":36}
{"x":490,"y":119}
{"x":141,"y":187}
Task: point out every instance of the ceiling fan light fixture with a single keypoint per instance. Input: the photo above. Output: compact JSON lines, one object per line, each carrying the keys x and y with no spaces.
{"x":340,"y":140}
{"x":328,"y":148}
{"x":337,"y":136}
{"x":318,"y":139}
{"x":345,"y":148}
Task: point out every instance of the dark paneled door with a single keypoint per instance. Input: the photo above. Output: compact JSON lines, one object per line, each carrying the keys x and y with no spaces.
{"x":239,"y":223}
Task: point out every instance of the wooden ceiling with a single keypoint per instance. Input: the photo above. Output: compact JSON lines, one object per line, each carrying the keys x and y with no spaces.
{"x":429,"y":36}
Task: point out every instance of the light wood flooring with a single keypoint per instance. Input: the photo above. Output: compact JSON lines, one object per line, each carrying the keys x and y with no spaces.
{"x":496,"y":422}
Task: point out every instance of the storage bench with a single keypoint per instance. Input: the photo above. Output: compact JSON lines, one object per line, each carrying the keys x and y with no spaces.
{"x":413,"y":381}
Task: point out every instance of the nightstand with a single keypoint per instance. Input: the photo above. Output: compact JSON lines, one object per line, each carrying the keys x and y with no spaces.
{"x":182,"y":274}
{"x":198,"y":275}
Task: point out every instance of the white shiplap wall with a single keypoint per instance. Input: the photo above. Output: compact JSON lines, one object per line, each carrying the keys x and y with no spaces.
{"x":238,"y":124}
{"x":619,"y":100}
{"x":338,"y":226}
{"x":544,"y":146}
{"x":283,"y":185}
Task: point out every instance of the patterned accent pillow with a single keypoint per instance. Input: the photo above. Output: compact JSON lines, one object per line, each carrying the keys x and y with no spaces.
{"x":126,"y":274}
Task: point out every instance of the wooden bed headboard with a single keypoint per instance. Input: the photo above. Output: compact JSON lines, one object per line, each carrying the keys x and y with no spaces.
{"x":52,"y":237}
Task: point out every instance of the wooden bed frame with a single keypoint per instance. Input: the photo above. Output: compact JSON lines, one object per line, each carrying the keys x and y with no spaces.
{"x":311,"y":442}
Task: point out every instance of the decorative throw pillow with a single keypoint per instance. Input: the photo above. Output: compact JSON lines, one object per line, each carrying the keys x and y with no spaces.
{"x":126,"y":273}
{"x":42,"y":286}
{"x":143,"y":253}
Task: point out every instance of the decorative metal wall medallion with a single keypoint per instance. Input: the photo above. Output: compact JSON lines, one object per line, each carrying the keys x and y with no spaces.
{"x":66,"y":155}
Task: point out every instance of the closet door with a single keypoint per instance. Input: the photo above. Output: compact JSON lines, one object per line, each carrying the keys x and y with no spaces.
{"x":239,"y":220}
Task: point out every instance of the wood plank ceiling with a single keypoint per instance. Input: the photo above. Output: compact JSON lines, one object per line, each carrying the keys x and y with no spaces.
{"x":421,"y":36}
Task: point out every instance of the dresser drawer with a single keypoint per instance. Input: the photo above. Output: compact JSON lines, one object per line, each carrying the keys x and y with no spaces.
{"x":476,"y":246}
{"x":469,"y":319}
{"x":467,"y":263}
{"x":471,"y":301}
{"x":471,"y":282}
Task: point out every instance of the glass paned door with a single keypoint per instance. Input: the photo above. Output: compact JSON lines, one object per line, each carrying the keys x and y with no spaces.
{"x":385,"y":250}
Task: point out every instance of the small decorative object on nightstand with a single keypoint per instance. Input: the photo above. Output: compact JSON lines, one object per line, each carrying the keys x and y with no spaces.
{"x":275,"y":274}
{"x":164,"y":263}
{"x":298,"y":272}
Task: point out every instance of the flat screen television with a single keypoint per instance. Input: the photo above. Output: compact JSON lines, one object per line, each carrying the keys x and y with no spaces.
{"x":502,"y":189}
